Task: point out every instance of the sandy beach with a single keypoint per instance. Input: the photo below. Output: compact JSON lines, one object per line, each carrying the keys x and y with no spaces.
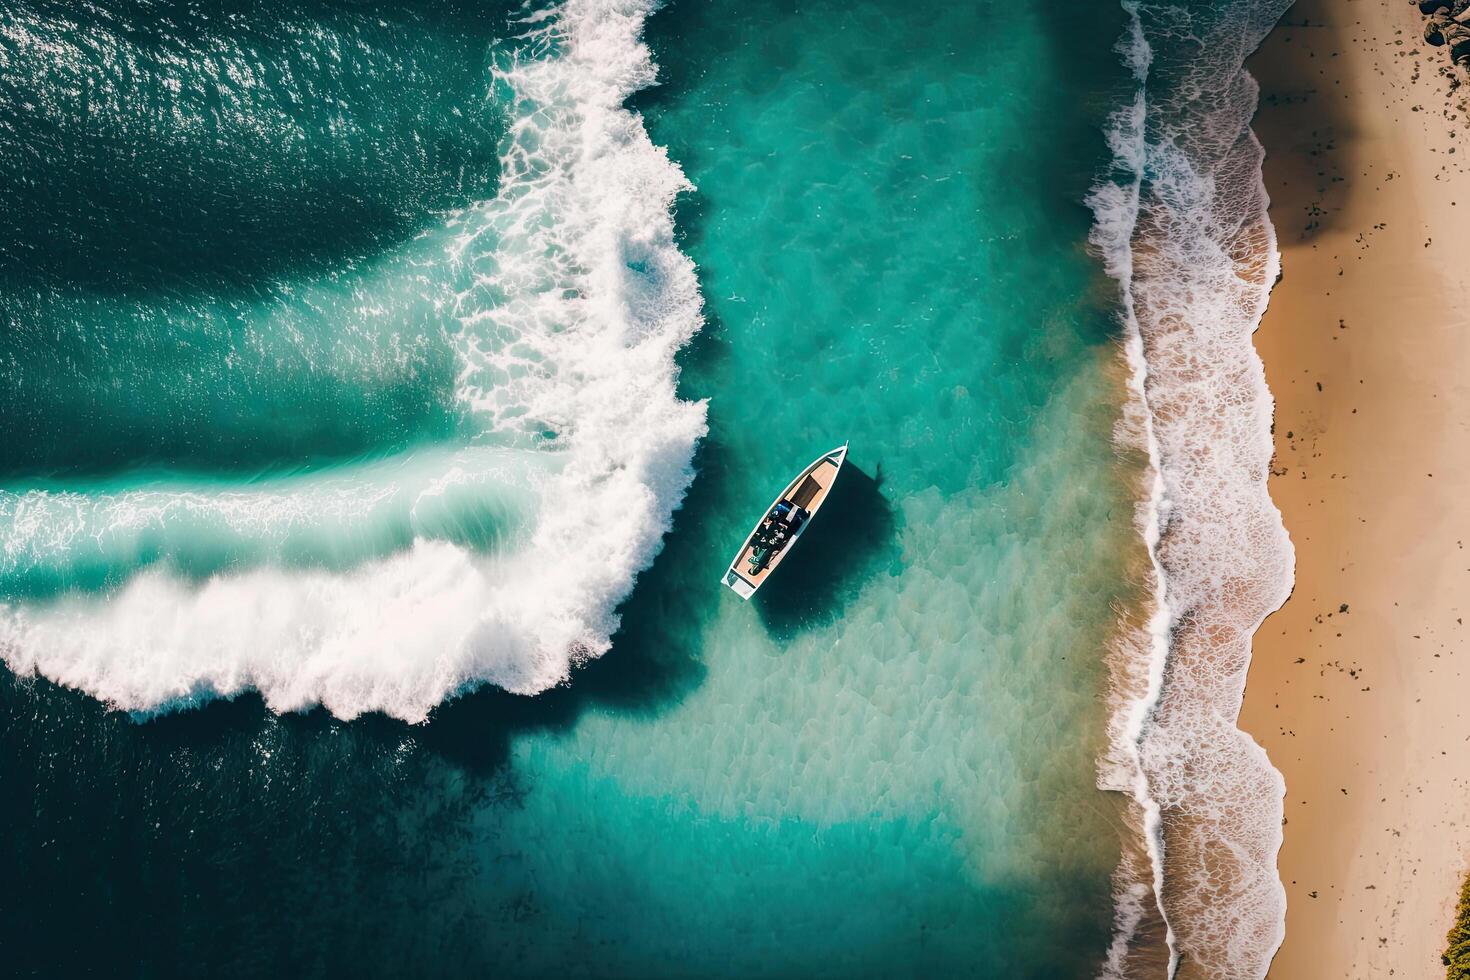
{"x":1358,"y":685}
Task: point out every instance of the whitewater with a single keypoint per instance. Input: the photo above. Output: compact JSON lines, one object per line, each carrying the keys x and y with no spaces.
{"x":392,"y":584}
{"x":1182,"y":225}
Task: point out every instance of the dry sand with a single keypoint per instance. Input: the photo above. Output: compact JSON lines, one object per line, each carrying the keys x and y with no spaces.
{"x":1360,"y":686}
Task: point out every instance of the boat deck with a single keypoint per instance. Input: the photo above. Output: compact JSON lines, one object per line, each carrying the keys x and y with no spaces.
{"x":808,"y":491}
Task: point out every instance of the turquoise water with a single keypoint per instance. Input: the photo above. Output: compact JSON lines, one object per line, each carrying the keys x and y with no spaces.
{"x":306,"y":451}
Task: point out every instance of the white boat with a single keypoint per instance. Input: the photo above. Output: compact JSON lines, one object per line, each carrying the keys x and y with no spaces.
{"x":787,"y":519}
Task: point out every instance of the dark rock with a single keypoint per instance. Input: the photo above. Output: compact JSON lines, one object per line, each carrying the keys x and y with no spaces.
{"x":1448,"y":26}
{"x":1453,"y":34}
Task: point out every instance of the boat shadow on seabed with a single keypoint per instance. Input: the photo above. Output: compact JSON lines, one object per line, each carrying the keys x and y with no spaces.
{"x":836,"y":555}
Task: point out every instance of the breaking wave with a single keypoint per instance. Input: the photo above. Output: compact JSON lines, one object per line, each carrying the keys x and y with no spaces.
{"x":1182,"y":225}
{"x":498,"y":563}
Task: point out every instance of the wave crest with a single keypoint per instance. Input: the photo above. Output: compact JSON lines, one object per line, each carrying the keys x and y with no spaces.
{"x":578,"y":301}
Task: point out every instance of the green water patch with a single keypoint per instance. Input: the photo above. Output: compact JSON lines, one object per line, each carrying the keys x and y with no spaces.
{"x":888,"y":226}
{"x":948,"y":719}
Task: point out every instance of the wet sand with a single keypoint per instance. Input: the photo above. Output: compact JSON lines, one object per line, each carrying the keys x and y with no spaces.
{"x":1359,"y":686}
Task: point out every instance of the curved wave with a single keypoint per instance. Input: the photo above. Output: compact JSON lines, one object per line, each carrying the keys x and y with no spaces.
{"x":576,"y":300}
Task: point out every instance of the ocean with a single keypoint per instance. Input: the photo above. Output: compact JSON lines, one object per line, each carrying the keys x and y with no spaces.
{"x":387,"y":386}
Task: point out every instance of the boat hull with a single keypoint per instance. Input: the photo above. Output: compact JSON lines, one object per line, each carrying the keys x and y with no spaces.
{"x":784,"y":522}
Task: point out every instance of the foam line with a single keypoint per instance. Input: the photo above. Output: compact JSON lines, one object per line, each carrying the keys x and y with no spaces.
{"x":579,"y":300}
{"x":1182,"y":225}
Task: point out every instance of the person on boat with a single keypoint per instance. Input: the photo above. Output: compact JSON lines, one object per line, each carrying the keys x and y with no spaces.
{"x":758,"y":557}
{"x":764,"y":533}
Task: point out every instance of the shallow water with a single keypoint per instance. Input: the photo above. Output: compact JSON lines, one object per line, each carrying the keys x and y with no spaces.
{"x":885,"y":767}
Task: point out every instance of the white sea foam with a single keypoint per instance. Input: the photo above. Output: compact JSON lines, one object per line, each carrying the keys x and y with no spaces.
{"x":1183,"y":226}
{"x":580,"y":300}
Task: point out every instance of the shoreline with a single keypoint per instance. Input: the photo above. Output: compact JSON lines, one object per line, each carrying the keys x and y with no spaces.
{"x":1352,"y":684}
{"x":1185,"y":232}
